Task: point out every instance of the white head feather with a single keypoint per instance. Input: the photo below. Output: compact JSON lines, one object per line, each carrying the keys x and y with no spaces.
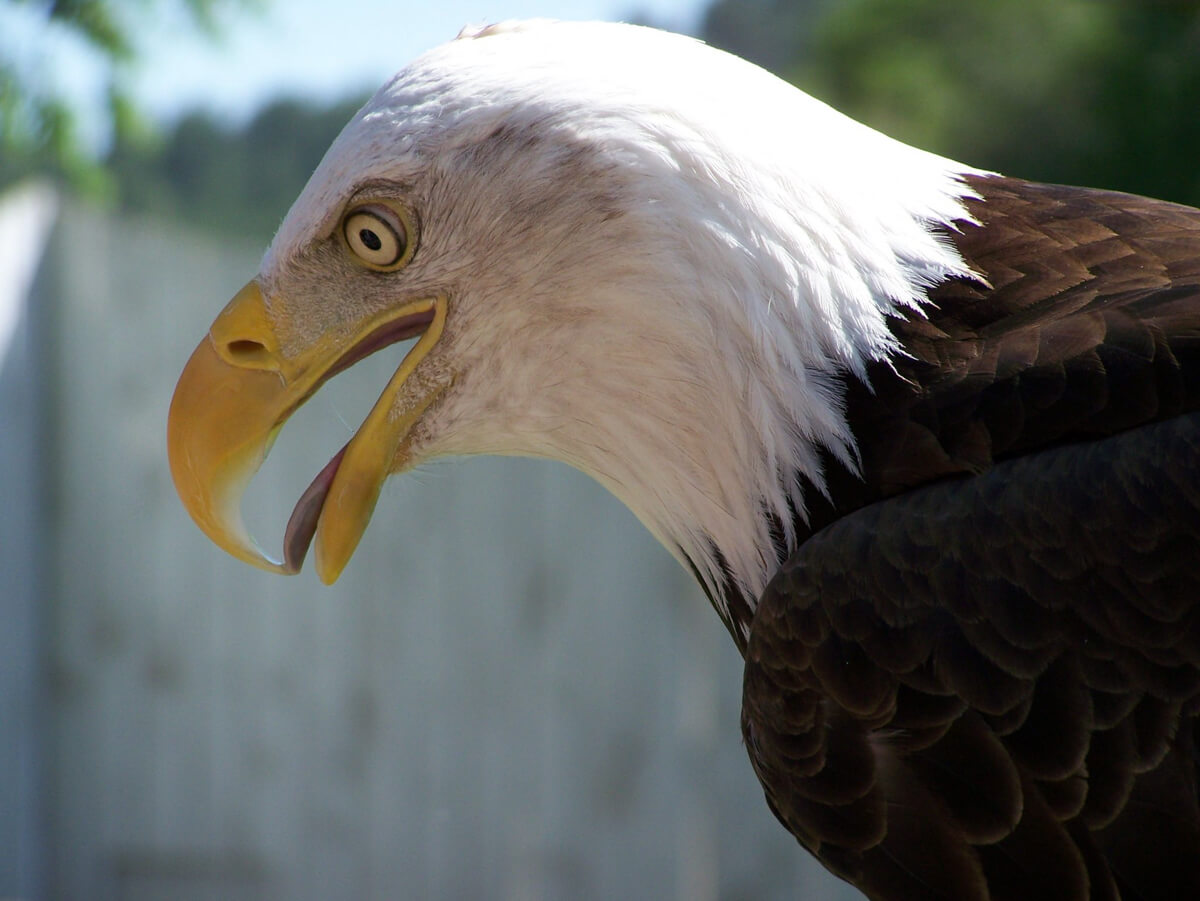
{"x":660,"y":259}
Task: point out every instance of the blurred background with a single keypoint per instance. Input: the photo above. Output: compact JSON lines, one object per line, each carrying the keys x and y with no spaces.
{"x":513,"y":692}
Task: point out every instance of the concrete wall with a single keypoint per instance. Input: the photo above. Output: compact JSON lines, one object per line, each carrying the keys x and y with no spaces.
{"x":26,"y":216}
{"x":512,"y":693}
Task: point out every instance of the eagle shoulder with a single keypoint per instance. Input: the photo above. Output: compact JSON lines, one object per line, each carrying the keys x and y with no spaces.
{"x":978,"y":675}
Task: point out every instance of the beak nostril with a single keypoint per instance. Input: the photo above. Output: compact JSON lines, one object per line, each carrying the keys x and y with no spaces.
{"x":244,"y":348}
{"x":242,"y":336}
{"x":248,"y":353}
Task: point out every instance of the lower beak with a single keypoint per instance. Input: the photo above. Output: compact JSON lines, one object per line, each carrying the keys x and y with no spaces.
{"x":235,"y":394}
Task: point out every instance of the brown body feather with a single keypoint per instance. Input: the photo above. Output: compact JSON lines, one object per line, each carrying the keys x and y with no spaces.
{"x":978,"y":676}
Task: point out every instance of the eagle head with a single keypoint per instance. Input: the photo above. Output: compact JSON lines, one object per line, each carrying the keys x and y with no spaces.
{"x":615,"y":247}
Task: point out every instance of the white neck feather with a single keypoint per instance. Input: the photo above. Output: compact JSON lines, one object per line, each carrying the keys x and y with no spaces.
{"x":687,"y":349}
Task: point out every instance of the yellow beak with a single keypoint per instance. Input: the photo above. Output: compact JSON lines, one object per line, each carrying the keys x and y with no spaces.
{"x":237,"y":391}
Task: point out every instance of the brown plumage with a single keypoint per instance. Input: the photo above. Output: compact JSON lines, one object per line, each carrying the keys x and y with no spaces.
{"x":978,"y":676}
{"x":974,"y":675}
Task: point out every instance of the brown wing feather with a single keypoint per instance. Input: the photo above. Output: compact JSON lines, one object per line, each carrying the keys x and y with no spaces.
{"x":1086,"y":322}
{"x":1048,"y":755}
{"x":978,"y":677}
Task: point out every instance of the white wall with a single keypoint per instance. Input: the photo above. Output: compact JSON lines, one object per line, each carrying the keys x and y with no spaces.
{"x":26,"y":216}
{"x":512,"y":693}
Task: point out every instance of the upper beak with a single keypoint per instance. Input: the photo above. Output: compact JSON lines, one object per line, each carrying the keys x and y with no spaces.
{"x":236,"y":392}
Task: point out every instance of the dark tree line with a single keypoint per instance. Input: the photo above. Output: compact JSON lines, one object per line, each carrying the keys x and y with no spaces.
{"x":237,"y":182}
{"x":1098,"y":92}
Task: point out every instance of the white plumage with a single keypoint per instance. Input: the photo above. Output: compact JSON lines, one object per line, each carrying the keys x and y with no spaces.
{"x":699,"y":334}
{"x":974,"y":670}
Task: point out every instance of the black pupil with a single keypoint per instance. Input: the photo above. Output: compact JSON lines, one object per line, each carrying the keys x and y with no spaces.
{"x":370,"y":239}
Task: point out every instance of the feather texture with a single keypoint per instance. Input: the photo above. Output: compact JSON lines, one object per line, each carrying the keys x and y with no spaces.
{"x":690,"y":275}
{"x":946,"y":424}
{"x":1016,"y":576}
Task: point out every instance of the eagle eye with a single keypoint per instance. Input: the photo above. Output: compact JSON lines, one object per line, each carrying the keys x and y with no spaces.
{"x":377,"y":235}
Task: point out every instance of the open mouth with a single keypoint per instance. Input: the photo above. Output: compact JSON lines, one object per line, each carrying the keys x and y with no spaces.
{"x":386,"y":335}
{"x":235,"y":394}
{"x":302,"y":524}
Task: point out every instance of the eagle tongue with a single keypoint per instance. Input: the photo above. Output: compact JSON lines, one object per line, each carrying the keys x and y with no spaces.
{"x":302,"y":524}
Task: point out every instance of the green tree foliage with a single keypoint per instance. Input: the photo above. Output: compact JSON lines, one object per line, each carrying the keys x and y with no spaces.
{"x":38,"y":126}
{"x":1096,"y":92}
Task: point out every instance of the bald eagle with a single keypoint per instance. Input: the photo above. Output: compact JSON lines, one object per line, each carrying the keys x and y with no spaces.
{"x":927,"y":436}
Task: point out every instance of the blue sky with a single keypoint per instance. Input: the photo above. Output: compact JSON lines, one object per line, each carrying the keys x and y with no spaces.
{"x":314,"y":49}
{"x":326,"y":50}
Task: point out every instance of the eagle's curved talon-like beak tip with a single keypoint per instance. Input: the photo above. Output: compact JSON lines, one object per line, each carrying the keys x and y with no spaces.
{"x":233,"y":397}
